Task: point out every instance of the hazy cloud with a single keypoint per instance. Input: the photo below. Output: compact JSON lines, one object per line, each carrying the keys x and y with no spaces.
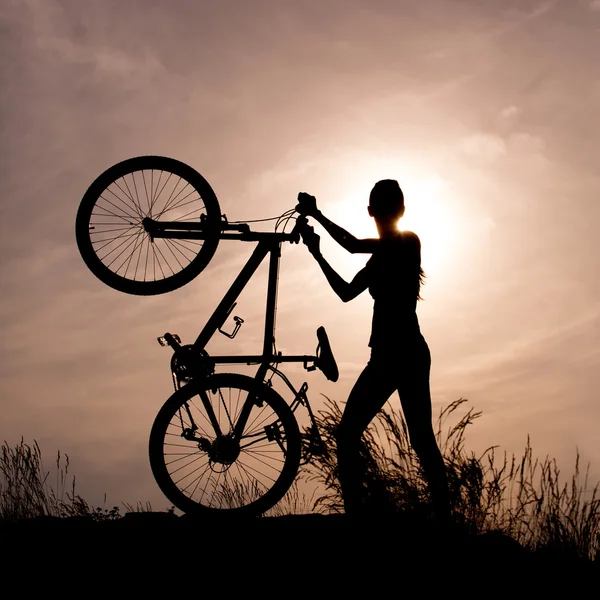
{"x":271,"y":97}
{"x":486,"y":146}
{"x":510,"y":112}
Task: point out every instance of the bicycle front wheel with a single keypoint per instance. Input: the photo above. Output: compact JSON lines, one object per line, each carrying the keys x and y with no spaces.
{"x":110,"y":232}
{"x":202,"y":472}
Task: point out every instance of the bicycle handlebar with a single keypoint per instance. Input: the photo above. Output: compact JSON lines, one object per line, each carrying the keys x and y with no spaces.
{"x":233,"y":231}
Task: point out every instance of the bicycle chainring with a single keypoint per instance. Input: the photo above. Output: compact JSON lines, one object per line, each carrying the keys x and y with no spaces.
{"x":188,"y":364}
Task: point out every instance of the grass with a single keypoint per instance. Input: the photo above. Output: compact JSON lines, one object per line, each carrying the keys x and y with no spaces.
{"x":524,"y":499}
{"x":26,"y":491}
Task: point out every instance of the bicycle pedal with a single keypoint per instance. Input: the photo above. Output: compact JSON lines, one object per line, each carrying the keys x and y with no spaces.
{"x":162,"y":340}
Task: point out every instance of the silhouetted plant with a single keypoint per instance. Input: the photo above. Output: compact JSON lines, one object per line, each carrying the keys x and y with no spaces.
{"x":142,"y":507}
{"x":24,"y":488}
{"x":294,"y":502}
{"x":523,"y":499}
{"x":26,"y":493}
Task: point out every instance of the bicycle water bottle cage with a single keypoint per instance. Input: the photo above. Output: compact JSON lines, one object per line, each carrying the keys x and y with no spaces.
{"x":237,"y":320}
{"x":325,"y":360}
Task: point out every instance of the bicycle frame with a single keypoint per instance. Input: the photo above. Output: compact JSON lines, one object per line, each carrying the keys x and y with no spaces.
{"x":269,"y":243}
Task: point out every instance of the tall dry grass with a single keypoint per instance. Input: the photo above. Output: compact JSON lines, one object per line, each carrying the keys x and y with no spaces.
{"x":27,"y":491}
{"x":524,"y":498}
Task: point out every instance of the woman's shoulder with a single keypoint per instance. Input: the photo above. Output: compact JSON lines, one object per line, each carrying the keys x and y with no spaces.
{"x":410,"y":237}
{"x":401,"y":242}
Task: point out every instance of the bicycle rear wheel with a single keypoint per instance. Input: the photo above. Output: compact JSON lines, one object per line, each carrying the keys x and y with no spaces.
{"x":201,"y":472}
{"x":111,"y":236}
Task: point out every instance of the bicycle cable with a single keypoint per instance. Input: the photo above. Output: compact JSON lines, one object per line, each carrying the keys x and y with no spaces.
{"x":286,"y":215}
{"x":285,"y":219}
{"x":254,"y":220}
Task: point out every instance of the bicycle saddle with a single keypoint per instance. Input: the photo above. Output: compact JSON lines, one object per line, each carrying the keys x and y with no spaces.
{"x":325,"y":359}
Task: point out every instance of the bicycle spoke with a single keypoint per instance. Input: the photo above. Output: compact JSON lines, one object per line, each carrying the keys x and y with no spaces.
{"x":205,"y":487}
{"x":151,"y":190}
{"x":175,"y":201}
{"x":182,"y":456}
{"x":129,"y":196}
{"x":159,"y":193}
{"x":173,"y":190}
{"x":137,"y":195}
{"x":203,"y":415}
{"x":124,"y":206}
{"x":172,"y":197}
{"x":252,"y":426}
{"x":255,"y":455}
{"x":176,"y":445}
{"x":187,"y":465}
{"x":114,"y":239}
{"x":171,"y":246}
{"x":182,"y":244}
{"x":129,"y":193}
{"x":133,"y":206}
{"x":198,"y":479}
{"x":109,"y":230}
{"x":120,"y":212}
{"x":249,"y":475}
{"x":154,"y":249}
{"x":128,"y":242}
{"x":146,"y":188}
{"x":139,"y":253}
{"x":248,"y":467}
{"x":237,"y":411}
{"x":110,"y":213}
{"x":126,"y":238}
{"x":198,"y":484}
{"x":179,"y":206}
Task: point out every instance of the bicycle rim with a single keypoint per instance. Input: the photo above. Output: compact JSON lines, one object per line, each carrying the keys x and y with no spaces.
{"x":218,"y":475}
{"x":110,"y":232}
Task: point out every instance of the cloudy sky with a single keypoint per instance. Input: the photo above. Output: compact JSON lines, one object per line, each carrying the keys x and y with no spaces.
{"x":485,"y":111}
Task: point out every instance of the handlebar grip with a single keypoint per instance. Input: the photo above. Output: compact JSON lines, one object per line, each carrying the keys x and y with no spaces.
{"x":301,"y":223}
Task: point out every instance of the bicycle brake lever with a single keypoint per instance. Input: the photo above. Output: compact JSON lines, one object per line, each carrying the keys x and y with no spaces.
{"x":301,"y":223}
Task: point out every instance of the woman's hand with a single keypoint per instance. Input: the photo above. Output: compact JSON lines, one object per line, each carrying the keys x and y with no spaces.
{"x":311,"y":240}
{"x":307,"y":205}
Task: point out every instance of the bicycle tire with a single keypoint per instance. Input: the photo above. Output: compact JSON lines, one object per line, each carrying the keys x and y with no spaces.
{"x":246,"y":486}
{"x":111,"y":237}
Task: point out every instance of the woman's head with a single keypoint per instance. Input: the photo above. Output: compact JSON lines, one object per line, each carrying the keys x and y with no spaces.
{"x":386,"y":200}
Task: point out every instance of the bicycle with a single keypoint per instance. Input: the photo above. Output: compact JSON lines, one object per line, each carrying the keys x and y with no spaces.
{"x":223,"y":443}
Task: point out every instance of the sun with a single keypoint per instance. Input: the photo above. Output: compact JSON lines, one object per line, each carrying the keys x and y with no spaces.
{"x":430,"y":213}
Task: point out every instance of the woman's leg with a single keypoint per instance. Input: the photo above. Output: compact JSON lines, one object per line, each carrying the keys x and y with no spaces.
{"x":415,"y":397}
{"x":370,"y":392}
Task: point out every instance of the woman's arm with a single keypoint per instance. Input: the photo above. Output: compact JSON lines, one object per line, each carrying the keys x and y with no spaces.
{"x":307,"y":205}
{"x":343,"y":238}
{"x":346,"y":291}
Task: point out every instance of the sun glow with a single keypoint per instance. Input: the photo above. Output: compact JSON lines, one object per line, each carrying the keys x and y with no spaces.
{"x":430,"y":212}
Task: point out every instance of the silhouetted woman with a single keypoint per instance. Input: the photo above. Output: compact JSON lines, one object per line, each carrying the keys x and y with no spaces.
{"x":400,"y":359}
